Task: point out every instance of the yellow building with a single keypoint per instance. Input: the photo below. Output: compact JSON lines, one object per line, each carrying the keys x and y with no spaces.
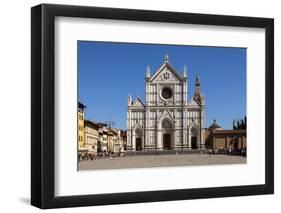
{"x":91,"y":136}
{"x":81,"y":141}
{"x":96,"y":137}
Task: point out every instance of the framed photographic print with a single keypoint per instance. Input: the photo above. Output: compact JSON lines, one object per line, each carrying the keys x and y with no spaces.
{"x":139,"y":106}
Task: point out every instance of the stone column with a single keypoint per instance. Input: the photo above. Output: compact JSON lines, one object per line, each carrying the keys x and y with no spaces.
{"x":143,"y":140}
{"x":173,"y":136}
{"x":133,"y":141}
{"x":159,"y":137}
{"x":184,"y":137}
{"x":129,"y":143}
{"x":198,"y":138}
{"x":202,"y":138}
{"x":189,"y":140}
{"x":147,"y":128}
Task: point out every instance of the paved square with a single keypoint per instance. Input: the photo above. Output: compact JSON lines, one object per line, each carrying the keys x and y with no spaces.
{"x":145,"y":161}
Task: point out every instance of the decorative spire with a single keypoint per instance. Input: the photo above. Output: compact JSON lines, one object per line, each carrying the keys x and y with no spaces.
{"x":197,"y":80}
{"x":197,"y":85}
{"x":147,"y":71}
{"x":184,"y":71}
{"x":166,"y":58}
{"x":197,"y":95}
{"x":129,"y":100}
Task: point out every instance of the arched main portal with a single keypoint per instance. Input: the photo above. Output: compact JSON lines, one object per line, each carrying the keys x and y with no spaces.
{"x":138,"y":140}
{"x":194,"y":138}
{"x":167,"y":134}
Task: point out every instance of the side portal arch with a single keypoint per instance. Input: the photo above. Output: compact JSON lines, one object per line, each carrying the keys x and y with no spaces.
{"x":167,"y":134}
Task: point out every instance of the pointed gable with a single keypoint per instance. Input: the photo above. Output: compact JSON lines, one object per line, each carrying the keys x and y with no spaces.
{"x":194,"y":103}
{"x":166,"y":73}
{"x":193,"y":125}
{"x":138,"y":125}
{"x":166,"y":114}
{"x":138,"y":103}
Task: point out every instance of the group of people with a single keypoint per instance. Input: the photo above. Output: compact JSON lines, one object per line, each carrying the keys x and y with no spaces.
{"x":100,"y":155}
{"x":229,"y":151}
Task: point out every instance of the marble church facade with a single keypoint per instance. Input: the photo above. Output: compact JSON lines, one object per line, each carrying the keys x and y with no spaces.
{"x":167,"y":119}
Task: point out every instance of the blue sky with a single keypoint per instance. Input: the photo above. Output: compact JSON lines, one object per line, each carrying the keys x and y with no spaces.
{"x":108,"y":72}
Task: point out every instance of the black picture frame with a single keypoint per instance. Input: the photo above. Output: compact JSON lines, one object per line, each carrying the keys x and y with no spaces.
{"x":43,"y":102}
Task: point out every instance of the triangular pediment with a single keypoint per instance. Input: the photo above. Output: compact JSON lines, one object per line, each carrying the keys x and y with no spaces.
{"x":194,"y":102}
{"x":166,"y":73}
{"x":166,"y":114}
{"x":138,"y":125}
{"x":138,"y":102}
{"x":192,"y":124}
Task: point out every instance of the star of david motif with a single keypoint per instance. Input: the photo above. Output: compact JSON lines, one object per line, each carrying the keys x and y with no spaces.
{"x":167,"y":76}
